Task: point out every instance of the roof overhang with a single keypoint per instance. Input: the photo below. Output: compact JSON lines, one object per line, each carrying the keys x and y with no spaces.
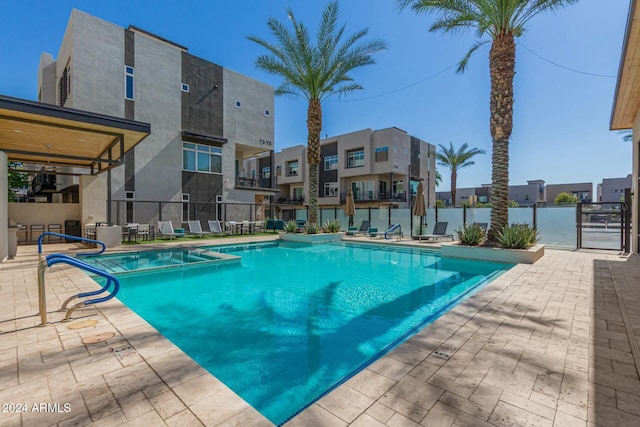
{"x":627,"y":95}
{"x":35,"y":133}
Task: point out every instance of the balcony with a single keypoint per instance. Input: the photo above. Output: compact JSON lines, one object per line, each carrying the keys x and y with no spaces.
{"x":43,"y":183}
{"x":292,"y":200}
{"x":372,"y":196}
{"x":256,"y":181}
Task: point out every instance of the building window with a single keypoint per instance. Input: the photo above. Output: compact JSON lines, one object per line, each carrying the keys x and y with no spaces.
{"x":278,"y":170}
{"x":185,"y":87}
{"x":128,"y":82}
{"x":482,"y":199}
{"x":355,"y":158}
{"x":292,"y":168}
{"x":185,"y":207}
{"x":363,"y":190}
{"x":267,"y":113}
{"x":266,"y":172}
{"x":330,"y":163}
{"x":298,"y":194}
{"x":238,"y":105}
{"x":201,"y":158}
{"x":382,"y":154}
{"x":398,"y":186}
{"x":129,"y":195}
{"x":64,"y":85}
{"x":331,"y":189}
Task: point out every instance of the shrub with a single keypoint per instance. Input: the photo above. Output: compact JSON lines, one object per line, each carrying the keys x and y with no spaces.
{"x":565,"y":199}
{"x":290,"y":226}
{"x":470,"y":235}
{"x":517,"y":236}
{"x":332,"y":226}
{"x":311,"y":228}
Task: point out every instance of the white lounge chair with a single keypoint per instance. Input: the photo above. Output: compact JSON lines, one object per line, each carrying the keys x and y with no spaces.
{"x":165,"y":228}
{"x":215,"y":228}
{"x":196,"y":229}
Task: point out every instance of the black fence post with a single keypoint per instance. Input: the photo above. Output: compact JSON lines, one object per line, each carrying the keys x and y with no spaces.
{"x":579,"y":225}
{"x":464,"y":215}
{"x":535,"y":216}
{"x":626,"y":206}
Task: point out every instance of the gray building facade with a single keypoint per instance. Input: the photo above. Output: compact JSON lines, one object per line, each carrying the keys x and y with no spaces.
{"x":206,"y":120}
{"x":611,"y":190}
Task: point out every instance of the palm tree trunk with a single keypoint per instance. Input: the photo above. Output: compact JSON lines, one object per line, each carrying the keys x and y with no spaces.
{"x":314,"y":127}
{"x":454,"y":187}
{"x":502,"y":61}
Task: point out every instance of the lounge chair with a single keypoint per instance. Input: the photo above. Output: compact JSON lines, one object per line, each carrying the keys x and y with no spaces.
{"x":165,"y":228}
{"x":196,"y":229}
{"x":440,"y":230}
{"x":483,"y":226}
{"x":215,"y":228}
{"x":364,"y":229}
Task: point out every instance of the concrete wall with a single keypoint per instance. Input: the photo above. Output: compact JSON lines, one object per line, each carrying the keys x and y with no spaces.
{"x":4,"y":215}
{"x":47,"y":79}
{"x":635,"y":185}
{"x":574,"y":188}
{"x":44,"y":213}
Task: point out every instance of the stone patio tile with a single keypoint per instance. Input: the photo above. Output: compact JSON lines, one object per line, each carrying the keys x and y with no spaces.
{"x":508,"y":415}
{"x":566,"y":420}
{"x":510,"y":382}
{"x":346,"y":402}
{"x":486,"y":395}
{"x":131,"y":379}
{"x":416,"y":391}
{"x":316,"y":416}
{"x":197,"y":389}
{"x":462,"y":386}
{"x":628,"y":402}
{"x":219,"y":407}
{"x":466,"y":420}
{"x":167,"y":404}
{"x":408,"y":409}
{"x":149,"y":419}
{"x":371,"y":383}
{"x":529,"y":406}
{"x":465,"y":405}
{"x":441,"y":415}
{"x":184,"y":419}
{"x":135,"y":404}
{"x":102,"y":406}
{"x":248,"y":417}
{"x":380,"y":412}
{"x":399,"y":420}
{"x":391,"y":368}
{"x":365,"y":420}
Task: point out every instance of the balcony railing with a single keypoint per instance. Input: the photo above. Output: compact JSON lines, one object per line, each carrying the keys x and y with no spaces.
{"x":292,"y":200}
{"x":372,"y":196}
{"x":43,"y":182}
{"x":256,"y":181}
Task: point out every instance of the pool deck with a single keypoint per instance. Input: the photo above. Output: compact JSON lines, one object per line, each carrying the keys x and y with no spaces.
{"x":549,"y":344}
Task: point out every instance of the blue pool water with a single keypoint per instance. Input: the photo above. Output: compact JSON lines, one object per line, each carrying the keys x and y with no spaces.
{"x":291,"y":322}
{"x":149,"y":260}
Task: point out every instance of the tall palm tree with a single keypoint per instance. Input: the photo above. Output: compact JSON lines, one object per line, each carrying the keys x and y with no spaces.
{"x":456,"y":160}
{"x":502,"y":21}
{"x":315,"y":71}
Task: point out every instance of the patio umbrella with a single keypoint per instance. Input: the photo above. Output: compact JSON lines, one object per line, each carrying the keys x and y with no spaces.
{"x":350,"y":206}
{"x":418,"y":207}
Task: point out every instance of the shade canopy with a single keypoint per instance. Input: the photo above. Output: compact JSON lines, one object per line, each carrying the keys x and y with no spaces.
{"x":418,"y":206}
{"x":34,"y":133}
{"x":350,"y":206}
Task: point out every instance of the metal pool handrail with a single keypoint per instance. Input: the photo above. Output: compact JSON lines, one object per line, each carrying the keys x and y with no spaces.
{"x":391,"y":229}
{"x":52,"y":259}
{"x":68,"y":237}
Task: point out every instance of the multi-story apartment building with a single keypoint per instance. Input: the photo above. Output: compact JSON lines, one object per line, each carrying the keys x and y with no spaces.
{"x":381,"y":167}
{"x":534,"y":191}
{"x":205,"y":120}
{"x":611,"y":190}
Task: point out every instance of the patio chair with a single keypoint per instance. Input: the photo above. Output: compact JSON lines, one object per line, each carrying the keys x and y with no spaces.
{"x":364,"y":229}
{"x":483,"y":226}
{"x":196,"y":229}
{"x":165,"y":228}
{"x":215,"y":228}
{"x":439,"y":230}
{"x":144,"y":231}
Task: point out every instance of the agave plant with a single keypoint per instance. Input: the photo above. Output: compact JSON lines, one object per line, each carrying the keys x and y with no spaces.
{"x":517,"y":236}
{"x":332,"y":226}
{"x":290,"y":226}
{"x":311,"y":228}
{"x":470,"y":235}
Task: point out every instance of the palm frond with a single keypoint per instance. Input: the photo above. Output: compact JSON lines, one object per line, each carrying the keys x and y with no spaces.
{"x":465,"y":60}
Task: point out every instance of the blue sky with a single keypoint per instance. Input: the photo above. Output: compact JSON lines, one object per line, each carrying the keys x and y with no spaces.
{"x":561,"y":117}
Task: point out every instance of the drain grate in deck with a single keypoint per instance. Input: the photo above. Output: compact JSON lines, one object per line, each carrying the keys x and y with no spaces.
{"x":444,"y":351}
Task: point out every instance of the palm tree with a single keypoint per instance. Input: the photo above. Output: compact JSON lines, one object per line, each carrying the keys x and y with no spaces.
{"x":456,"y":160}
{"x":315,"y":71}
{"x":502,"y":21}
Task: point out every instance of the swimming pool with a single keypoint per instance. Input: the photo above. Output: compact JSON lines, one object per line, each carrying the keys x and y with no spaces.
{"x":291,"y":322}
